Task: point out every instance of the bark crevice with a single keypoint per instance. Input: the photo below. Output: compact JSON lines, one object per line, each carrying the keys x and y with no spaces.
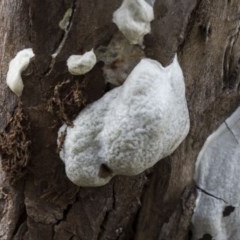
{"x":62,"y":40}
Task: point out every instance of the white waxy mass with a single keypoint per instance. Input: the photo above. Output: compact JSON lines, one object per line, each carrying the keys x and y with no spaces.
{"x":16,"y":66}
{"x":217,"y":213}
{"x":81,"y":64}
{"x":130,"y":128}
{"x":133,"y":19}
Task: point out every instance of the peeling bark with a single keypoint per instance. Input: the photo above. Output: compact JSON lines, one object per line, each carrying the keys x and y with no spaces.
{"x":156,"y":204}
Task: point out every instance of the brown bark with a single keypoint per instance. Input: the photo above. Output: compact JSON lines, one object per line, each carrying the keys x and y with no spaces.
{"x":37,"y":201}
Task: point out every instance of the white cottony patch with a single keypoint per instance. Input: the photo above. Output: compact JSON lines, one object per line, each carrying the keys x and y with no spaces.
{"x":81,"y":64}
{"x":217,"y":172}
{"x":133,"y":19}
{"x":16,"y":66}
{"x":130,"y":128}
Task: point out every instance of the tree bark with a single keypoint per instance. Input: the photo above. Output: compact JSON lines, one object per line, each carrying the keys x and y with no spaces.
{"x":37,"y":201}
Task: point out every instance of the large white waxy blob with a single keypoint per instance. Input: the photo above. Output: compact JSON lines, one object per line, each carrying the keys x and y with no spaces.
{"x":217,"y":212}
{"x":81,"y":64}
{"x":16,"y":66}
{"x":133,"y":19}
{"x":130,"y":128}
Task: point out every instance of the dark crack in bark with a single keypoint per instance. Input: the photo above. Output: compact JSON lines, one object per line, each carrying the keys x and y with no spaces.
{"x":107,"y":215}
{"x":65,"y":214}
{"x":190,"y":25}
{"x":62,"y":41}
{"x":229,"y":81}
{"x":20,"y":227}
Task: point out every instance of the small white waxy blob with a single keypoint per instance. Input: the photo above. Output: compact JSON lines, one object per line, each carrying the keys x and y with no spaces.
{"x":16,"y":66}
{"x":130,"y":128}
{"x":133,"y":19}
{"x":81,"y":64}
{"x":217,"y":213}
{"x":64,"y":23}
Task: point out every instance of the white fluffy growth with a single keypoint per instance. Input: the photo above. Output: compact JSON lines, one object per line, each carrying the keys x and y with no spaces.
{"x":130,"y":128}
{"x":217,"y":172}
{"x":81,"y":64}
{"x":133,"y":19}
{"x":16,"y":66}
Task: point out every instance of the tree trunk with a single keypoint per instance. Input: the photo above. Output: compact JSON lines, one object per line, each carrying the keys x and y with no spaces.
{"x":37,"y":201}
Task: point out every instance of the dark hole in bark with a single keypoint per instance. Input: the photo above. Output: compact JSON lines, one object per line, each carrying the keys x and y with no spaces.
{"x":205,"y":30}
{"x":108,"y":87}
{"x":228,"y":210}
{"x":150,"y":43}
{"x":104,"y":171}
{"x":189,"y":236}
{"x":206,"y":237}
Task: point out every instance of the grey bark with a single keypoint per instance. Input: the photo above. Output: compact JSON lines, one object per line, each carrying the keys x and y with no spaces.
{"x":37,"y":201}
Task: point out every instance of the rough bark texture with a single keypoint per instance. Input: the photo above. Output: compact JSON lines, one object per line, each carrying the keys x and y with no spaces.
{"x":37,"y":201}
